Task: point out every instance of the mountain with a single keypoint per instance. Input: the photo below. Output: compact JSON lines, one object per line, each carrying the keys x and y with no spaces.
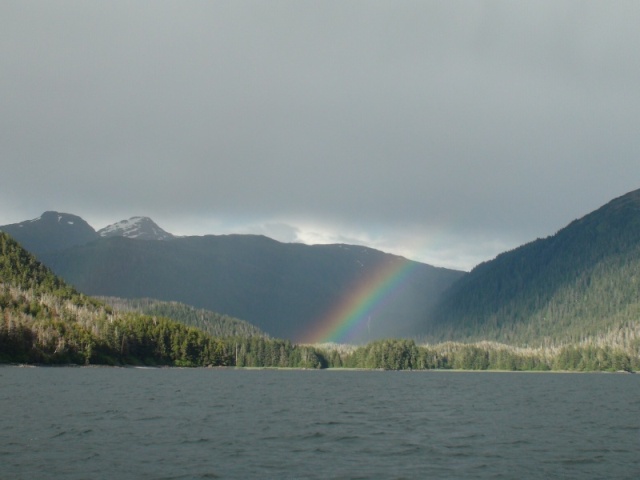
{"x":286,"y":290}
{"x":142,"y":228}
{"x":51,"y":231}
{"x":583,"y":282}
{"x":45,"y":320}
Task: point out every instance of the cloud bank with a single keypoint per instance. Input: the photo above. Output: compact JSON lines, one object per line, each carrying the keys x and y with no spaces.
{"x":442,"y":131}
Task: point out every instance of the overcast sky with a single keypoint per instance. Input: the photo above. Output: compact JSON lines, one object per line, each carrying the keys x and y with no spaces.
{"x":443,"y":131}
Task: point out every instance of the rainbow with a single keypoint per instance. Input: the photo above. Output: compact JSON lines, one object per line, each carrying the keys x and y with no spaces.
{"x":352,"y":314}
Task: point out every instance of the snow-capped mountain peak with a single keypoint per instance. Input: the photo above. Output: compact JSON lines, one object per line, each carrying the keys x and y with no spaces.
{"x":142,"y":228}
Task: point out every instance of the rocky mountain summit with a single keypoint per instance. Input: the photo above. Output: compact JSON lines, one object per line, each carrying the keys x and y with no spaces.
{"x":51,"y":231}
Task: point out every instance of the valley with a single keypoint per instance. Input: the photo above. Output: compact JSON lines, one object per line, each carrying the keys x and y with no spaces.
{"x":568,"y":301}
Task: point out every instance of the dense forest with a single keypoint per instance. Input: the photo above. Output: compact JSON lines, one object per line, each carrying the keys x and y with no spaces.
{"x":581,"y":285}
{"x":45,"y":321}
{"x":213,"y":323}
{"x":406,"y":355}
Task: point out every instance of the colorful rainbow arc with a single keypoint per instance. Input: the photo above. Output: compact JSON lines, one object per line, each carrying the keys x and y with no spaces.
{"x":350,"y":316}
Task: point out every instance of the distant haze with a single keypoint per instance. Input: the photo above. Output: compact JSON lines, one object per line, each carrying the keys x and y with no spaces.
{"x":443,"y":131}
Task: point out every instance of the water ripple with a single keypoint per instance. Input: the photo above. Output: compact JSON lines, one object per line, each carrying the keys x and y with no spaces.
{"x":203,"y":423}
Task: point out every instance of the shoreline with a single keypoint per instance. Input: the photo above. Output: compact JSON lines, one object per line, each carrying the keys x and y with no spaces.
{"x":332,"y":369}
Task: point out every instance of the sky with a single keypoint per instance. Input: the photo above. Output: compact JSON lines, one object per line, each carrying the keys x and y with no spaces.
{"x":444,"y":131}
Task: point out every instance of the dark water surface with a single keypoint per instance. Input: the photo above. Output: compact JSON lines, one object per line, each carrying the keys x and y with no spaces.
{"x":118,"y":423}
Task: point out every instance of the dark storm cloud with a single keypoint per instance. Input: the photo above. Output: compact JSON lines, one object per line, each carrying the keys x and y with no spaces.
{"x":445,"y":131}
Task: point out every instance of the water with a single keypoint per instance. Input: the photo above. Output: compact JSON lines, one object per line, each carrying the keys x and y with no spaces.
{"x":120,"y":423}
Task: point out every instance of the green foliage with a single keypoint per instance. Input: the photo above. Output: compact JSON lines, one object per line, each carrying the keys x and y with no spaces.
{"x":215,"y":324}
{"x":266,"y":352}
{"x":152,"y":341}
{"x":21,"y":269}
{"x":577,"y":284}
{"x":130,"y":339}
{"x":593,"y":358}
{"x":43,"y":320}
{"x":406,"y":355}
{"x":386,"y":355}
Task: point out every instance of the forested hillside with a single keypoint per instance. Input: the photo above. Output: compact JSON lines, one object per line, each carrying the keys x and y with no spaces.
{"x":579,"y":285}
{"x":407,"y":355}
{"x":281,"y":288}
{"x":44,"y":320}
{"x":215,"y":324}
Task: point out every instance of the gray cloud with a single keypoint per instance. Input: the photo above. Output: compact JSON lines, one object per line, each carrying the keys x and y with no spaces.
{"x":443,"y":131}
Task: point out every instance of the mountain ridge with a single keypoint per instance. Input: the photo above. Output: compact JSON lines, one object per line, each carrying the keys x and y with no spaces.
{"x":282,"y":288}
{"x":577,"y":282}
{"x":51,"y":231}
{"x":581,"y":284}
{"x":278,"y":287}
{"x":44,"y":320}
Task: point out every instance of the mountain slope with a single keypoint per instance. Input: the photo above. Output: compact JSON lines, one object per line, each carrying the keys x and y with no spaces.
{"x":213,"y":323}
{"x":142,"y":228}
{"x":581,"y":282}
{"x":51,"y":231}
{"x":44,"y":320}
{"x":281,"y":288}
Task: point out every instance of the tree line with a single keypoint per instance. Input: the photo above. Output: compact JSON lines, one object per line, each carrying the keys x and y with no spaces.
{"x":136,"y":339}
{"x":45,"y":321}
{"x":407,"y":355}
